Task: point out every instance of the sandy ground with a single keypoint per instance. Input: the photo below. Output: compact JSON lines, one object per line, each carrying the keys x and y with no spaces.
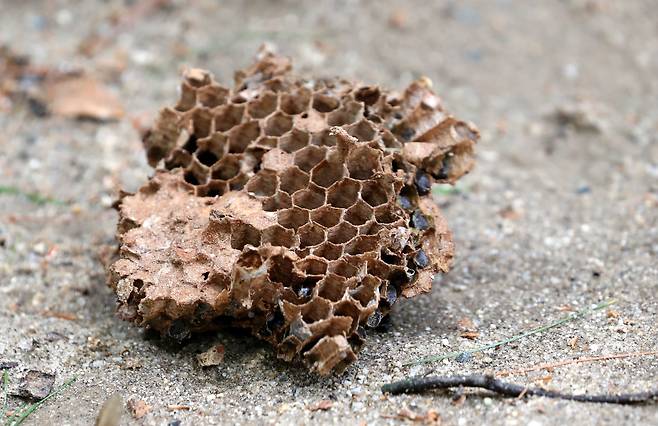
{"x":562,"y":210}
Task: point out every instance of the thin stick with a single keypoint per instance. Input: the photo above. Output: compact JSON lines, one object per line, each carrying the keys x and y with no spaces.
{"x":575,"y":361}
{"x":32,"y":408}
{"x":5,"y":391}
{"x":419,"y":384}
{"x":568,"y":318}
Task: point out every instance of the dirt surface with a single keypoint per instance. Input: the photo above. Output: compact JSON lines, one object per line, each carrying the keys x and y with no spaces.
{"x":561,"y":211}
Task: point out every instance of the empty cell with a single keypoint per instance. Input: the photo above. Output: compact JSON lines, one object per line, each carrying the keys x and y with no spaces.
{"x":325,"y":103}
{"x":266,"y":142}
{"x":312,"y":266}
{"x":316,"y":310}
{"x":264,"y":183}
{"x":280,"y":269}
{"x":178,"y":158}
{"x":214,"y":188}
{"x":369,"y":95}
{"x":310,"y":235}
{"x":347,"y":114}
{"x":212,"y":95}
{"x":238,"y":182}
{"x":332,"y":287}
{"x":190,"y":144}
{"x":363,"y":130}
{"x":278,"y":124}
{"x":202,"y":122}
{"x":362,"y":244}
{"x":295,"y":102}
{"x":365,"y":292}
{"x":205,"y":157}
{"x":370,"y":228}
{"x":228,"y":116}
{"x":390,"y":141}
{"x":378,"y":268}
{"x":363,"y":162}
{"x":243,"y":234}
{"x":242,"y":135}
{"x":328,"y":251}
{"x":327,"y":173}
{"x":278,"y":201}
{"x":376,"y":192}
{"x":308,"y":157}
{"x":324,"y":138}
{"x":215,"y":143}
{"x":341,"y":233}
{"x":277,"y":235}
{"x":326,"y":216}
{"x":293,"y":179}
{"x":309,"y":198}
{"x":387,"y":214}
{"x":187,"y":99}
{"x":344,"y":193}
{"x":263,"y":105}
{"x":343,"y":268}
{"x":292,"y":218}
{"x":195,"y":177}
{"x":294,"y":140}
{"x":227,"y":167}
{"x":359,"y":213}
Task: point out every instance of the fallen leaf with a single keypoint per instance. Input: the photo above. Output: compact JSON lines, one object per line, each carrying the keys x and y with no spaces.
{"x":472,"y":335}
{"x":178,"y":407}
{"x":611,"y":313}
{"x":323,"y":405}
{"x":138,"y":408}
{"x":68,"y":316}
{"x":81,"y":96}
{"x":110,"y":412}
{"x":431,"y":417}
{"x":466,"y":324}
{"x":211,"y":357}
{"x":573,"y":343}
{"x":36,"y":385}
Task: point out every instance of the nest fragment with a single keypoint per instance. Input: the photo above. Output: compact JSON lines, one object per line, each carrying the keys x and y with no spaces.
{"x":299,"y":210}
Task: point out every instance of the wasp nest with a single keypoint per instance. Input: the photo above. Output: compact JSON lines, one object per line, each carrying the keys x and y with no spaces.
{"x":299,"y":210}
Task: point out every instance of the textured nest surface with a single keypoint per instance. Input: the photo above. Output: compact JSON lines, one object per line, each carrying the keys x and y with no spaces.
{"x":299,"y":210}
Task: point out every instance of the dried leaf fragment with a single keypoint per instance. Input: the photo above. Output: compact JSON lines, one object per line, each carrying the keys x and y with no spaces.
{"x":322,"y":405}
{"x":36,"y":385}
{"x":82,"y":96}
{"x":211,"y":357}
{"x":138,"y":408}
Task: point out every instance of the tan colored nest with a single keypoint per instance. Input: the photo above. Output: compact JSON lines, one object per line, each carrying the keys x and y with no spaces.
{"x":299,"y":210}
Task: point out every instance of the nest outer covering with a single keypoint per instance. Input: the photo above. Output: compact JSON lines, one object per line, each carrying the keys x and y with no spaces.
{"x":298,"y":210}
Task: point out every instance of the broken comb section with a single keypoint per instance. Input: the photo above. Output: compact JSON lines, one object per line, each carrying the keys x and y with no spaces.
{"x":299,"y":210}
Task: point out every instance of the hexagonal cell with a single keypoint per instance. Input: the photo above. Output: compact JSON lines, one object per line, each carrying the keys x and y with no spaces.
{"x":195,"y":176}
{"x":370,"y":228}
{"x":214,"y":188}
{"x":327,"y":173}
{"x":178,"y":158}
{"x":378,"y":268}
{"x":294,"y":140}
{"x":242,"y":135}
{"x":312,"y":266}
{"x":243,"y":234}
{"x":277,"y":235}
{"x":280,"y":269}
{"x":389,"y":140}
{"x":328,"y":250}
{"x":205,"y":157}
{"x":227,"y":167}
{"x":325,"y":103}
{"x":264,"y":183}
{"x":187,"y":99}
{"x":347,"y":114}
{"x":295,"y":102}
{"x":387,"y":214}
{"x":202,"y":122}
{"x":359,"y":213}
{"x":341,"y":233}
{"x":277,"y":124}
{"x":365,"y":293}
{"x":324,"y":138}
{"x":343,"y":268}
{"x":362,"y":244}
{"x":263,"y":106}
{"x":310,"y":235}
{"x":309,"y":198}
{"x":363,"y":162}
{"x":292,"y":218}
{"x":369,"y":95}
{"x":308,"y":157}
{"x":419,"y":221}
{"x":213,"y":95}
{"x":344,"y":193}
{"x":228,"y":116}
{"x":278,"y":201}
{"x":375,"y":192}
{"x":267,"y":142}
{"x":332,"y":287}
{"x":215,"y":143}
{"x":316,"y":310}
{"x":293,"y":180}
{"x":363,"y":130}
{"x":188,"y":142}
{"x":238,"y":182}
{"x":326,"y":216}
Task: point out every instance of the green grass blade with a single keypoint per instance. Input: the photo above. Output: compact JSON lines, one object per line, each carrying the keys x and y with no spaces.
{"x":5,"y":391}
{"x":568,"y":318}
